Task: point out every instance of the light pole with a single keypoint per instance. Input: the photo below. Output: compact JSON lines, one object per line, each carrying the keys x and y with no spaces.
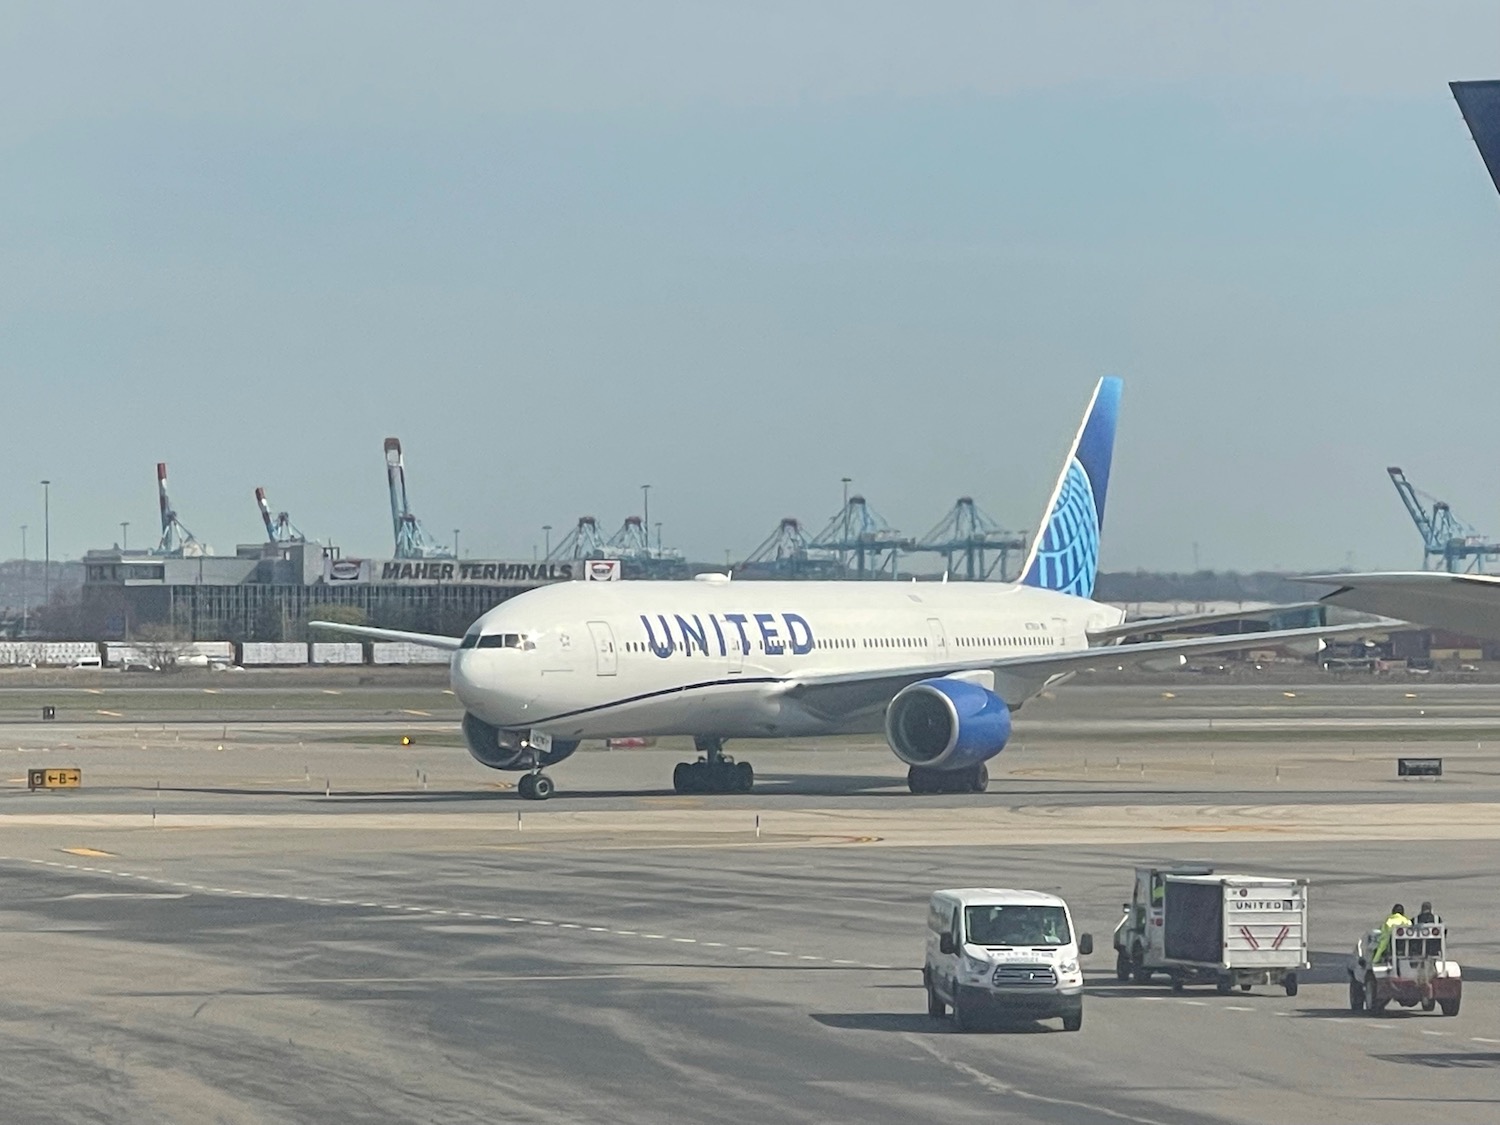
{"x":124,"y":536}
{"x":547,"y":531}
{"x":46,"y":542}
{"x":658,"y":539}
{"x":25,"y":591}
{"x":455,"y":542}
{"x":646,"y":514}
{"x":843,"y":561}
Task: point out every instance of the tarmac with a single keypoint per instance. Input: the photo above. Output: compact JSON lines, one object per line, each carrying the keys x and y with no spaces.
{"x":267,"y":909}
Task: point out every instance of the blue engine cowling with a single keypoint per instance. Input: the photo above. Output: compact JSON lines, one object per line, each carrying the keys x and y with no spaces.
{"x":499,"y":749}
{"x":945,"y":724}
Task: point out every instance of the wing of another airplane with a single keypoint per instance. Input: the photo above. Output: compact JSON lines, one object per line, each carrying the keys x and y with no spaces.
{"x":846,"y":693}
{"x":1192,"y":620}
{"x":431,"y":640}
{"x":1465,"y":603}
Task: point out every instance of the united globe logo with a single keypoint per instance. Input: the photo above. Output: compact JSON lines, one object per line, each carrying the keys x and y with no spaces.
{"x":1069,"y":555}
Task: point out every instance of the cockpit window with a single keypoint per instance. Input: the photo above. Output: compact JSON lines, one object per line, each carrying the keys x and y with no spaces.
{"x":507,"y":640}
{"x":471,"y":640}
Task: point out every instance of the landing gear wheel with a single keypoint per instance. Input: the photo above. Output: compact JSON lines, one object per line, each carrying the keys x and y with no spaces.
{"x":979,"y":779}
{"x":744,"y":777}
{"x":920,"y":780}
{"x":1356,"y":996}
{"x":1122,"y":967}
{"x":1290,"y":983}
{"x":1450,"y":1007}
{"x":1224,"y":985}
{"x":526,"y":787}
{"x":1073,"y":1021}
{"x":682,"y":777}
{"x":1178,"y":984}
{"x":1244,"y":988}
{"x":541,"y":787}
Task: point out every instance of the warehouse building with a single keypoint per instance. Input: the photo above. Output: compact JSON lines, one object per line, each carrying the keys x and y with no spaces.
{"x":268,"y":592}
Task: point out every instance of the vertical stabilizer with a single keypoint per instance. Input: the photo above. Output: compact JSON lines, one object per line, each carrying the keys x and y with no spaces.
{"x":1065,"y":552}
{"x":1479,"y":102}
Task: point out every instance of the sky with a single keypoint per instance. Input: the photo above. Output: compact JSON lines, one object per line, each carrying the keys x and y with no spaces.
{"x":739,"y":252}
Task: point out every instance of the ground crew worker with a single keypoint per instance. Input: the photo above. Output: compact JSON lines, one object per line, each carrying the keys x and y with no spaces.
{"x":1426,"y":916}
{"x":1397,"y":918}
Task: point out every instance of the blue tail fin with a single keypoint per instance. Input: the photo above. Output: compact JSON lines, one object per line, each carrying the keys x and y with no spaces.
{"x":1065,"y":553}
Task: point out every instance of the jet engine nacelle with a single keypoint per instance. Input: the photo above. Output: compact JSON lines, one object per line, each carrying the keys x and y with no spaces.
{"x":506,"y":749}
{"x":946,"y":724}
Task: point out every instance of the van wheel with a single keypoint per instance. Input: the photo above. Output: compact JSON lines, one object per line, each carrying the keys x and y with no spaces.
{"x":961,"y":1019}
{"x":1178,"y":984}
{"x":935,"y":1006}
{"x":1073,"y":1021}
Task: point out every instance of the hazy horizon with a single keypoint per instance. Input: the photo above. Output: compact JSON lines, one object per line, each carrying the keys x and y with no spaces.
{"x":565,"y":250}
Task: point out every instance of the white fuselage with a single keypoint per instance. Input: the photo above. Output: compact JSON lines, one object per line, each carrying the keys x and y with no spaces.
{"x":717,"y":657}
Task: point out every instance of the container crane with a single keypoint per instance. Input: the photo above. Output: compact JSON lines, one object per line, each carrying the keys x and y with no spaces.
{"x":583,"y":542}
{"x":856,"y":529}
{"x":411,"y":541}
{"x":176,"y":540}
{"x":965,"y":535}
{"x":786,"y":553}
{"x":279,"y":528}
{"x":1447,"y":541}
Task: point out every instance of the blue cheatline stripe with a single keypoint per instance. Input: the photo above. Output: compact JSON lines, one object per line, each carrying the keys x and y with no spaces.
{"x":657,"y":695}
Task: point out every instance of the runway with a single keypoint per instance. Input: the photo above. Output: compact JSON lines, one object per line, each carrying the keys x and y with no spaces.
{"x":319,"y":923}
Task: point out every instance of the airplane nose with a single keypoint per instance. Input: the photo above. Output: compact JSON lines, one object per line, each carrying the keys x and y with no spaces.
{"x":463,"y":678}
{"x":489,"y":687}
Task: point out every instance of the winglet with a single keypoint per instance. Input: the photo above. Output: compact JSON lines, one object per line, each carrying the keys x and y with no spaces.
{"x":1065,"y":551}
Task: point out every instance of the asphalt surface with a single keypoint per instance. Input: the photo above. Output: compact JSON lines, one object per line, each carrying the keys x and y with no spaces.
{"x":315,"y":923}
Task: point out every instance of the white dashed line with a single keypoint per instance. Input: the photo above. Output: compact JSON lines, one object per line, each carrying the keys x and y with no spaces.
{"x":1426,"y":1032}
{"x":1195,"y":1003}
{"x":1476,"y":1039}
{"x":1237,"y":1008}
{"x":686,"y":940}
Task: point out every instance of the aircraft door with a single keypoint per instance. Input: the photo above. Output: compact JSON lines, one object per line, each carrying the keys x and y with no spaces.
{"x":736,"y":653}
{"x":937,"y":639}
{"x":606,"y":661}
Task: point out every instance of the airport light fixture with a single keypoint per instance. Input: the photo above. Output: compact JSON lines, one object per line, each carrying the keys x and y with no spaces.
{"x":124,"y":536}
{"x":547,"y":532}
{"x":46,"y":542}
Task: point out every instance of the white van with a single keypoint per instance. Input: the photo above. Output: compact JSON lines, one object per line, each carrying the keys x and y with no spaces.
{"x":996,"y":952}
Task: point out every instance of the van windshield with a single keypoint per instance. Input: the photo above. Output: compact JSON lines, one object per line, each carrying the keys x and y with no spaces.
{"x":1016,"y":925}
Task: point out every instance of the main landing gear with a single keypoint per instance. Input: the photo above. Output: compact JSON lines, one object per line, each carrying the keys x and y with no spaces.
{"x":535,"y":786}
{"x":715,"y":772}
{"x":975,"y":779}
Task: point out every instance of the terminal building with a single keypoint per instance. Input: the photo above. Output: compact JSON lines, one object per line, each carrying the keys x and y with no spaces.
{"x":268,"y":591}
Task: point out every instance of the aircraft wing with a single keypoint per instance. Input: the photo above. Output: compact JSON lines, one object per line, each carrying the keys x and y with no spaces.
{"x":848,"y":693}
{"x":431,"y":640}
{"x":1191,"y":620}
{"x":1465,"y":603}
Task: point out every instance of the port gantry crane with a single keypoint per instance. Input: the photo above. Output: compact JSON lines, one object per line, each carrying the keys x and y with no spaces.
{"x":1448,"y":543}
{"x":411,"y":540}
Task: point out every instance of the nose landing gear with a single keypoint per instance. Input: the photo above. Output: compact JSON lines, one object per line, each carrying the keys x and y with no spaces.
{"x":715,"y":772}
{"x":535,"y":786}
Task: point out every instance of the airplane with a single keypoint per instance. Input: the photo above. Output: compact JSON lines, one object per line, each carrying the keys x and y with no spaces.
{"x":1464,"y":603}
{"x":938,"y":666}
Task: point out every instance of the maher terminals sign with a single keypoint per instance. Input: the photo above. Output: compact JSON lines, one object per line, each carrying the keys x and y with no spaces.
{"x":455,"y":572}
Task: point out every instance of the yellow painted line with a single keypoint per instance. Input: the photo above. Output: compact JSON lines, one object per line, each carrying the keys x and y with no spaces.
{"x":111,"y":714}
{"x":1169,"y":695}
{"x":210,"y":691}
{"x":95,"y":691}
{"x":87,"y":851}
{"x":409,"y":711}
{"x":330,"y":691}
{"x":1290,"y":694}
